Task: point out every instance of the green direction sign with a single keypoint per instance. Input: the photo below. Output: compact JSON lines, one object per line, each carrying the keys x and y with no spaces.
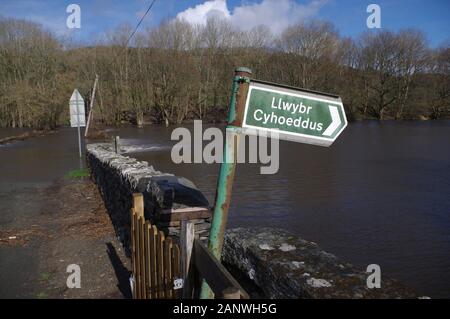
{"x":295,"y":114}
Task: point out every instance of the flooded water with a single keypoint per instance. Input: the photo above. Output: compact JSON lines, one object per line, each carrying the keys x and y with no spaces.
{"x":27,"y":167}
{"x":38,"y":160}
{"x":7,"y":132}
{"x":379,"y":195}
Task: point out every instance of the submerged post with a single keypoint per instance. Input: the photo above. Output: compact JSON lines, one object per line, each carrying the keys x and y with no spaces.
{"x":239,"y":92}
{"x":117,"y":144}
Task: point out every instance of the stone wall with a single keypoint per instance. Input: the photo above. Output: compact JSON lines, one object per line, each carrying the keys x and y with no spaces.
{"x":118,"y":177}
{"x":272,"y":263}
{"x":283,"y":265}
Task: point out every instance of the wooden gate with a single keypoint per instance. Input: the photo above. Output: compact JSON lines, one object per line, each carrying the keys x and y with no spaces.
{"x":155,"y":258}
{"x":162,"y":269}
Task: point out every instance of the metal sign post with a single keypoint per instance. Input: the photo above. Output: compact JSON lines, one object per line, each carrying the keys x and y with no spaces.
{"x":227,"y":168}
{"x":77,"y":114}
{"x":260,"y":108}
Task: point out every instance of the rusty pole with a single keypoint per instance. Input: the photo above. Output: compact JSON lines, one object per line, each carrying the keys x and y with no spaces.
{"x":239,"y":92}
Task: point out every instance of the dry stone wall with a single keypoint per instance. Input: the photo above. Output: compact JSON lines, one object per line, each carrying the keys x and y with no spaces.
{"x":276,"y":263}
{"x":283,"y":265}
{"x":118,"y":177}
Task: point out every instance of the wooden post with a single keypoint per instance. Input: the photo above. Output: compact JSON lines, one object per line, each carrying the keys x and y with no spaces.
{"x":176,"y":269}
{"x":153,"y":261}
{"x":168,"y":280}
{"x":187,"y":236}
{"x":138,"y":207}
{"x":91,"y":111}
{"x":138,"y":203}
{"x":133,"y":249}
{"x":230,"y":293}
{"x":213,"y":272}
{"x":142,"y":257}
{"x":160,"y":264}
{"x":137,"y":262}
{"x":147,"y":259}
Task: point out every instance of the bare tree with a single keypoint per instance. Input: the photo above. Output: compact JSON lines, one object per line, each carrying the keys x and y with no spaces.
{"x":379,"y":62}
{"x":308,"y":45}
{"x":412,"y":59}
{"x":178,"y":71}
{"x":438,"y":91}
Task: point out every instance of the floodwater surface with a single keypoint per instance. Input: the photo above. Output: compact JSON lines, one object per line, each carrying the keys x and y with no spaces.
{"x":379,"y":195}
{"x":27,"y":168}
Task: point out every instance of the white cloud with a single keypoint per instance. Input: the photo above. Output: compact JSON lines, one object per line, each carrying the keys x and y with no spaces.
{"x":276,"y":14}
{"x":200,"y":13}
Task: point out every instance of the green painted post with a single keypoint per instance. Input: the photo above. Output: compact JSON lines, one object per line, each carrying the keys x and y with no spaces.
{"x":226,"y":175}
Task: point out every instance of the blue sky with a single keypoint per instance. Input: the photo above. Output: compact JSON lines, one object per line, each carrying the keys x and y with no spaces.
{"x":349,"y":16}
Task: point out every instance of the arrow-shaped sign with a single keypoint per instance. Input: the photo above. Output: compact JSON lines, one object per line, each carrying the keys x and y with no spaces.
{"x":294,"y":114}
{"x":77,"y":113}
{"x":335,"y":121}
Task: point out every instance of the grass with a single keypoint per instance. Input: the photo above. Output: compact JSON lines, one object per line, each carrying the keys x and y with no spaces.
{"x":45,"y":276}
{"x":78,"y":173}
{"x":41,"y":295}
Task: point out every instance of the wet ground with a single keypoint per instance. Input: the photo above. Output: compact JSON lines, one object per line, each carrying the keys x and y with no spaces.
{"x":49,"y":221}
{"x":71,"y":226}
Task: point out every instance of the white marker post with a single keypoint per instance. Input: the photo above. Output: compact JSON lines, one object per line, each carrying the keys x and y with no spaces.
{"x":77,"y":114}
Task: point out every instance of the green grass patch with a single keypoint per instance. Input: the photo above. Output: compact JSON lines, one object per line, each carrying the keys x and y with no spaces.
{"x":41,"y":295}
{"x":78,"y":173}
{"x":44,"y":276}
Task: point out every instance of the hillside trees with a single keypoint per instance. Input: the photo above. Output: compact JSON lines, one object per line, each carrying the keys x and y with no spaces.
{"x":30,"y":75}
{"x":378,"y":57}
{"x":389,"y":63}
{"x":412,"y":59}
{"x":438,"y":84}
{"x":177,"y":71}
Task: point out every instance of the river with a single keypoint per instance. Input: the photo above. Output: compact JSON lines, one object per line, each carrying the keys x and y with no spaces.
{"x":379,"y":195}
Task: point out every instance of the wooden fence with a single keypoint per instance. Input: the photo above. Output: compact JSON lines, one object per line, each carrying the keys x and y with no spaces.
{"x":155,"y":258}
{"x":165,"y":269}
